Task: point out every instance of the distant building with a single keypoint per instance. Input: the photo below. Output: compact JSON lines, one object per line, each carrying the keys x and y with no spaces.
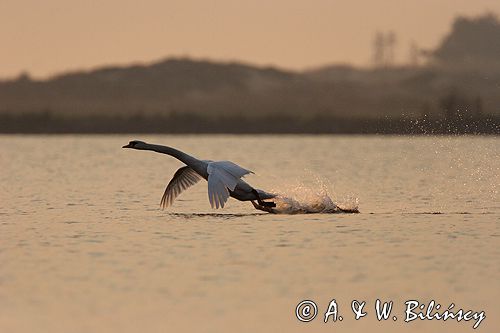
{"x":384,"y":46}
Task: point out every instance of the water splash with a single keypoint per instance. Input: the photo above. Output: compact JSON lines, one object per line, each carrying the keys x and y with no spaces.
{"x":303,"y":199}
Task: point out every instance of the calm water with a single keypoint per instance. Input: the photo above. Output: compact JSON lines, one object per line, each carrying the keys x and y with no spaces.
{"x":85,"y":247}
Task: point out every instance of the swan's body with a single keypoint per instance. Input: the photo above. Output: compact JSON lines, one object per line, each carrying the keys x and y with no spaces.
{"x":224,"y":178}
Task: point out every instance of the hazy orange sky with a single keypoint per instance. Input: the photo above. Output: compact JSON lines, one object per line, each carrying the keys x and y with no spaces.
{"x":50,"y":36}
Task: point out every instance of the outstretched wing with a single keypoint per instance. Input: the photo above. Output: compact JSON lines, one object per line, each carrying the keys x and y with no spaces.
{"x":183,"y":179}
{"x":222,"y":177}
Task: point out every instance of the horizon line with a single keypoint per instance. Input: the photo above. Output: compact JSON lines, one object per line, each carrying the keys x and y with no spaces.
{"x":207,"y":59}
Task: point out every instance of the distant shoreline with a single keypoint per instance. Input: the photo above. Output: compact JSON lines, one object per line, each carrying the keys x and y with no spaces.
{"x":193,"y":124}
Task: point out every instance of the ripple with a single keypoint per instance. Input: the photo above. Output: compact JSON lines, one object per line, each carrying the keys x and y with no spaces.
{"x":216,"y":215}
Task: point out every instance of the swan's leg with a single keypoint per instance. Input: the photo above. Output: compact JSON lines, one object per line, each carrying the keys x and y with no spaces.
{"x":262,"y":203}
{"x":263,"y":208}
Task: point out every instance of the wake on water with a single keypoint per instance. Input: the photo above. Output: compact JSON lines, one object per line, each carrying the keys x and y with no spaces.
{"x":303,"y":199}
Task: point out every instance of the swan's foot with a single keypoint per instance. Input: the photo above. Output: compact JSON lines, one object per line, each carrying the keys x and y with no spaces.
{"x":267,"y":204}
{"x":264,"y":208}
{"x":261,"y":202}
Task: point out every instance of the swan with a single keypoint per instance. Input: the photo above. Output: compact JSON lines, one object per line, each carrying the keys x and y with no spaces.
{"x":224,"y":179}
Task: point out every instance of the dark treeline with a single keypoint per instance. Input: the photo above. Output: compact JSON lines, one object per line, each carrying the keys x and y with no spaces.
{"x":191,"y":123}
{"x":452,"y":89}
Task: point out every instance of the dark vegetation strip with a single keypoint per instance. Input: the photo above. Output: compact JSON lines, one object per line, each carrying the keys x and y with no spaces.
{"x":194,"y":124}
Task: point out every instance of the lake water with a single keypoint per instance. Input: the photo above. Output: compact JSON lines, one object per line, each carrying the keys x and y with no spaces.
{"x":85,"y":247}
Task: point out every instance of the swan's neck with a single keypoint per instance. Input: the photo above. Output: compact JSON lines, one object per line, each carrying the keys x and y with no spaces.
{"x":181,"y":156}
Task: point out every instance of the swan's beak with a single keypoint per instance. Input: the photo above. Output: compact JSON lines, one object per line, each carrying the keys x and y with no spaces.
{"x":127,"y":146}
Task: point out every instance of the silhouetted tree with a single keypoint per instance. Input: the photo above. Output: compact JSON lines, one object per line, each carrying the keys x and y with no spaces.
{"x":24,"y":77}
{"x":472,"y":42}
{"x":391,"y":41}
{"x":478,"y":107}
{"x":378,"y":50}
{"x":414,"y":54}
{"x":457,"y":107}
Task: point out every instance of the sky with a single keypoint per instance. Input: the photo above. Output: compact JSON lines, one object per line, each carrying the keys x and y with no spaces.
{"x":53,"y":36}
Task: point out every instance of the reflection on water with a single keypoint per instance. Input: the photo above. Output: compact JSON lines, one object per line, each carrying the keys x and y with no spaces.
{"x":85,"y":247}
{"x":213,"y":215}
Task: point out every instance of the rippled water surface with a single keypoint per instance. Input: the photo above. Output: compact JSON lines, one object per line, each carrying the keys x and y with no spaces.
{"x":85,"y":247}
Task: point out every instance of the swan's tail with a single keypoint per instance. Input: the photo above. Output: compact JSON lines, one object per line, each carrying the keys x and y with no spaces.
{"x":263,"y":195}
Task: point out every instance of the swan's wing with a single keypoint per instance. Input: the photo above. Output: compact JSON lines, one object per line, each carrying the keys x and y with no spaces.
{"x":229,"y":167}
{"x":222,"y":177}
{"x":217,"y":191}
{"x":183,"y":179}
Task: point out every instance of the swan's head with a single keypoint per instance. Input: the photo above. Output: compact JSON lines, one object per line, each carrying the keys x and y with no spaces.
{"x":136,"y":144}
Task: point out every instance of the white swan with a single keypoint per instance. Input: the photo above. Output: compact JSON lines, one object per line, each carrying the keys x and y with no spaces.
{"x":224,"y":179}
